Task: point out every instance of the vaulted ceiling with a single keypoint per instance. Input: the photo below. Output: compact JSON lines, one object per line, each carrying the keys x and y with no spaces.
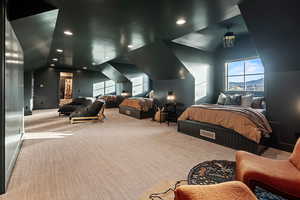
{"x":104,"y":29}
{"x":211,"y":38}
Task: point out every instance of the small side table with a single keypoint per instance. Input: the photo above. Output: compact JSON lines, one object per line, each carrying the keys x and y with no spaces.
{"x":164,"y":116}
{"x":172,"y":115}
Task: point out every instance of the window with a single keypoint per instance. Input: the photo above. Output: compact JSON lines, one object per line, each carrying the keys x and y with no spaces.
{"x":245,"y":75}
{"x":98,"y":89}
{"x":102,"y":88}
{"x":201,"y":82}
{"x":137,"y":85}
{"x":110,"y":87}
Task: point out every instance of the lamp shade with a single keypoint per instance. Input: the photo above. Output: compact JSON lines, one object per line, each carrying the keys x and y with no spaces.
{"x":124,"y":93}
{"x":171,"y":96}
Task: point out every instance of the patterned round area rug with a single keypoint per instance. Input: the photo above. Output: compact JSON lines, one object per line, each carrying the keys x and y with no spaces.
{"x":212,"y":172}
{"x":218,"y":171}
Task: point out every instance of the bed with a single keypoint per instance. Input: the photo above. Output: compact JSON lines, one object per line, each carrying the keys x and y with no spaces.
{"x":112,"y":101}
{"x":137,"y":107}
{"x":238,"y":127}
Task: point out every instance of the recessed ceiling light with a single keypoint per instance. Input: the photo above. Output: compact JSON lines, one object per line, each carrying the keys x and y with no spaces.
{"x":59,"y":50}
{"x":55,"y":59}
{"x":84,"y":68}
{"x":130,"y":46}
{"x":52,"y":65}
{"x":67,"y":32}
{"x":93,"y":63}
{"x":180,"y":21}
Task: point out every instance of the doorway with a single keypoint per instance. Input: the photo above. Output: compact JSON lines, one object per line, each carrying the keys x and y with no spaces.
{"x":65,"y":88}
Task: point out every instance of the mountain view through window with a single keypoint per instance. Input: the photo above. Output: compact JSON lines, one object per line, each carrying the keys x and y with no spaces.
{"x":245,"y":75}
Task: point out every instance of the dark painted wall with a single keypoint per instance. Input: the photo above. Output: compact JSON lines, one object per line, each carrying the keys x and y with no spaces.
{"x":83,"y":82}
{"x":131,"y":71}
{"x":46,"y":83}
{"x":183,"y":89}
{"x":158,"y":62}
{"x":11,"y":99}
{"x":47,"y":97}
{"x":244,"y":48}
{"x":28,"y":93}
{"x":201,"y":65}
{"x":2,"y":96}
{"x":166,"y":71}
{"x":276,"y":35}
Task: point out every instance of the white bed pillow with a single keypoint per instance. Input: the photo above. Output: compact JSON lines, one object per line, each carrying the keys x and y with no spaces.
{"x":221,"y":99}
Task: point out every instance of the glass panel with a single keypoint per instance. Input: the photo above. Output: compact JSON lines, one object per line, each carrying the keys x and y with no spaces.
{"x":236,"y":83}
{"x":109,"y":83}
{"x":200,"y":91}
{"x":98,"y":89}
{"x":255,"y":83}
{"x":109,"y":90}
{"x":137,"y":81}
{"x":235,"y":68}
{"x":98,"y":85}
{"x":254,"y":66}
{"x":137,"y":90}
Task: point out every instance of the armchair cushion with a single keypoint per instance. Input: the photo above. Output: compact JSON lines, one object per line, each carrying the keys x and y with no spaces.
{"x":280,"y":175}
{"x":89,"y":111}
{"x":224,"y":191}
{"x":295,"y":157}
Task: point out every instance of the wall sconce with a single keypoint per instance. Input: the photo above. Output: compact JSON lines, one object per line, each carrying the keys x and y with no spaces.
{"x":124,"y":93}
{"x":171,"y":96}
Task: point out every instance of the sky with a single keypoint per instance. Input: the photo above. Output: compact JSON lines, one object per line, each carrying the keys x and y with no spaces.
{"x":253,"y":66}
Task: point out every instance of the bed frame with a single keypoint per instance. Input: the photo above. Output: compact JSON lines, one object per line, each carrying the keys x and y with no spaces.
{"x":111,"y":104}
{"x":220,"y":135}
{"x":133,"y":112}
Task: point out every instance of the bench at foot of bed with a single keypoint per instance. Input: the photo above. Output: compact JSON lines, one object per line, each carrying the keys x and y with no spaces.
{"x":220,"y":135}
{"x":135,"y":112}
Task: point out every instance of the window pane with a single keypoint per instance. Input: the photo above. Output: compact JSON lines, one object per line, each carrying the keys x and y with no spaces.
{"x":254,"y":66}
{"x":236,"y":68}
{"x":109,"y":90}
{"x":200,"y":91}
{"x":137,"y":90}
{"x":137,"y":81}
{"x":236,"y":83}
{"x":255,"y":83}
{"x":98,"y":89}
{"x":109,"y":83}
{"x":98,"y":85}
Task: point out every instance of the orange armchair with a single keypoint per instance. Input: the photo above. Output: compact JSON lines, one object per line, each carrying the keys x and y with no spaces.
{"x":280,"y":176}
{"x":224,"y":191}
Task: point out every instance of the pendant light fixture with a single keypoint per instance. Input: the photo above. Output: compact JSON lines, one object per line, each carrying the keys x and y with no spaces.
{"x":229,"y":38}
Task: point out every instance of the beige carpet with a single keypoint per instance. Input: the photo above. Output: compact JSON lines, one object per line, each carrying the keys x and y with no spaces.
{"x":120,"y":159}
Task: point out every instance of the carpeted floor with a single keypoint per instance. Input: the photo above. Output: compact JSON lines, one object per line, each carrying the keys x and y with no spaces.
{"x":122,"y":158}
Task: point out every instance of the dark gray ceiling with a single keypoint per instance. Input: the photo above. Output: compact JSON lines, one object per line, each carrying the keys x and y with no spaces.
{"x":129,"y":70}
{"x":35,"y":34}
{"x":113,"y":74}
{"x":159,"y":62}
{"x":210,"y":38}
{"x":103,"y":29}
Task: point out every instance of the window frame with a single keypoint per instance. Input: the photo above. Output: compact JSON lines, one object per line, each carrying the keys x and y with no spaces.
{"x":111,"y":86}
{"x":244,"y":75}
{"x":138,"y":85}
{"x":100,"y":88}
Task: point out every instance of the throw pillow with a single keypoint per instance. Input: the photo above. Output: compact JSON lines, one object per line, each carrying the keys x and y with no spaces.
{"x":233,"y":100}
{"x":247,"y":100}
{"x":257,"y":102}
{"x":221,"y":99}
